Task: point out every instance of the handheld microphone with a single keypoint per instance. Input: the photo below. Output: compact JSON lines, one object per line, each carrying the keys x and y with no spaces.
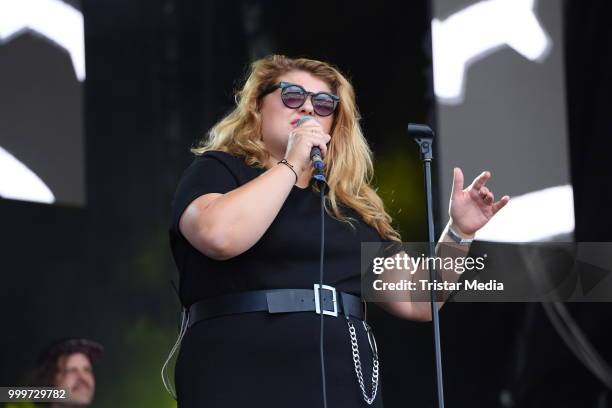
{"x":315,"y":154}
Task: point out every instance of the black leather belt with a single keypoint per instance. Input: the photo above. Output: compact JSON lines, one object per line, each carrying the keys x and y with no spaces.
{"x":279,"y":301}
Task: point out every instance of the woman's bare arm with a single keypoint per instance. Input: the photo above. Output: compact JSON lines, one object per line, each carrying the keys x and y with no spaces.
{"x":222,"y":226}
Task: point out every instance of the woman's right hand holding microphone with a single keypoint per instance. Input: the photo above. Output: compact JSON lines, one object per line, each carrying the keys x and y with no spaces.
{"x":301,"y":140}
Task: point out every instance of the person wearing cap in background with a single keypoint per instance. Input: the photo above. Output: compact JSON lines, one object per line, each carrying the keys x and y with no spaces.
{"x":67,"y":363}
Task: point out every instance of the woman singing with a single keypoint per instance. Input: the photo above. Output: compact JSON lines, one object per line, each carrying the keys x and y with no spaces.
{"x":245,"y":236}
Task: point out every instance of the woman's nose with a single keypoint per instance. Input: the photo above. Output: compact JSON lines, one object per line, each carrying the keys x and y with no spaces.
{"x":307,"y":107}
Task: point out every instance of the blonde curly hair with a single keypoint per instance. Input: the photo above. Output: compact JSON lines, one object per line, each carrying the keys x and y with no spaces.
{"x":348,"y":163}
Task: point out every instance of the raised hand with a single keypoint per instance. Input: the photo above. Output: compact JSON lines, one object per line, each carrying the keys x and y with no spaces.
{"x":471,"y":208}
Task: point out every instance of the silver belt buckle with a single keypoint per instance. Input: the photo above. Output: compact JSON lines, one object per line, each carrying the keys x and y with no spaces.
{"x":318,"y":300}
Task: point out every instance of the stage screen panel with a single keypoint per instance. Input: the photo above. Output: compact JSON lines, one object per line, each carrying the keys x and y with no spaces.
{"x":42,"y":143}
{"x":501,"y":106}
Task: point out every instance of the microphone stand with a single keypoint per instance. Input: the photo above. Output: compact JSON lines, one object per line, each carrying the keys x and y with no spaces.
{"x":423,"y":136}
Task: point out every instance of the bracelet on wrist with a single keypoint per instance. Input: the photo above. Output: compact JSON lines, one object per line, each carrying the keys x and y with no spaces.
{"x":286,"y":163}
{"x":455,"y":236}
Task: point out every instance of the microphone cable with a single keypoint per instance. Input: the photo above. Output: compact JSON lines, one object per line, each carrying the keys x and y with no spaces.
{"x":322,"y":325}
{"x":319,"y":176}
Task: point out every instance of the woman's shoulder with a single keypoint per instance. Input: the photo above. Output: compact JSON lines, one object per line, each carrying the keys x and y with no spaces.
{"x":220,"y":156}
{"x":235,"y":164}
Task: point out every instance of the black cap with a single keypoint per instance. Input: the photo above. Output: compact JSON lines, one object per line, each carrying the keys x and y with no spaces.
{"x":92,"y":349}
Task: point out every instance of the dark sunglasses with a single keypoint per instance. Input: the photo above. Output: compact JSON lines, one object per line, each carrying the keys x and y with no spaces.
{"x":294,"y":96}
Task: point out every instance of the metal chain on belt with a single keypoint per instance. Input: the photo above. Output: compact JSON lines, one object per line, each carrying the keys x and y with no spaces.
{"x":357,"y":360}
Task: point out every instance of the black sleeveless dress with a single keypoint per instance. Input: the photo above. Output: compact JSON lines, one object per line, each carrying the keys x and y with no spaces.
{"x":260,"y":359}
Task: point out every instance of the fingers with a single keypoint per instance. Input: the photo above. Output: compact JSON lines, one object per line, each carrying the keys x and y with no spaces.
{"x":314,"y":136}
{"x":489,"y":197}
{"x":320,"y":140}
{"x":500,"y":204}
{"x":300,"y":144}
{"x":457,"y":181}
{"x":321,"y":144}
{"x":478,"y":185}
{"x":310,"y":124}
{"x":481,"y":180}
